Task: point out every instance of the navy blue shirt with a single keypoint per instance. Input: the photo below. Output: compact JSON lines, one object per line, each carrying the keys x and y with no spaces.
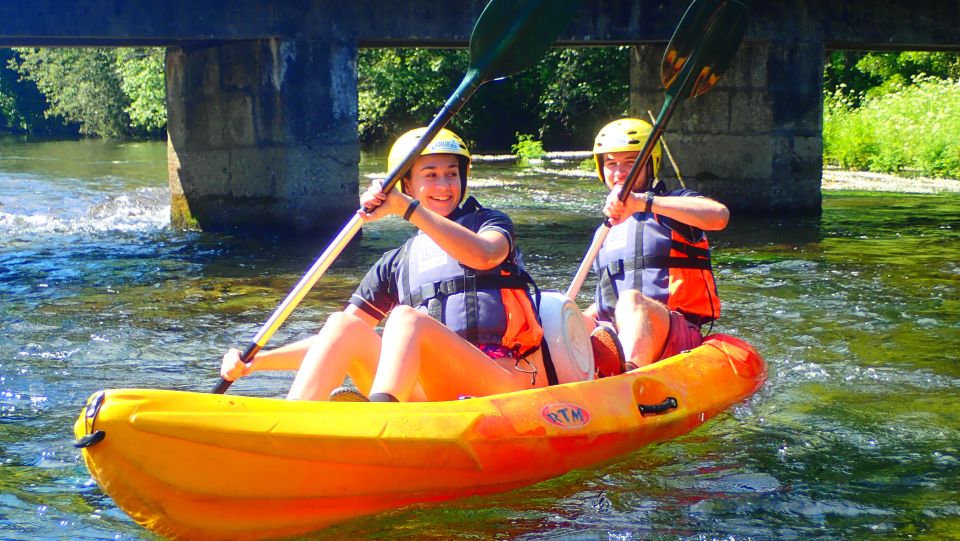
{"x":377,"y":293}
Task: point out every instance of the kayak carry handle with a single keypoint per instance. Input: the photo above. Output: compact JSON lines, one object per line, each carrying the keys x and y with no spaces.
{"x":90,"y":439}
{"x":669,"y":403}
{"x":93,"y":437}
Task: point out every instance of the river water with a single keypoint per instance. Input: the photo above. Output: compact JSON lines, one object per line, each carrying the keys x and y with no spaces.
{"x":855,"y":435}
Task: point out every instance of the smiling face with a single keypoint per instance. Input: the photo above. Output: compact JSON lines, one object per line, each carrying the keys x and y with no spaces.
{"x":435,"y":180}
{"x":616,"y":167}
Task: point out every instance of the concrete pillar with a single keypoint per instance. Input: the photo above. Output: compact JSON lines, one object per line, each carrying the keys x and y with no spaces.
{"x":262,"y":136}
{"x":753,"y":142}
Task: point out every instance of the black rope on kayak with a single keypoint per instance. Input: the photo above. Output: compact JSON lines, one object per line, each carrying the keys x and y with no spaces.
{"x":93,"y":437}
{"x":668,"y":404}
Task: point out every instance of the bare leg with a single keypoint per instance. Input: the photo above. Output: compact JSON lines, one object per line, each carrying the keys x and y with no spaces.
{"x":643,"y":326}
{"x":415,"y":345}
{"x":345,"y":343}
{"x":589,"y":323}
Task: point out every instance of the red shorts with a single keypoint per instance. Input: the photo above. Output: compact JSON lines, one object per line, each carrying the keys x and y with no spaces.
{"x":497,"y":351}
{"x":683,"y":336}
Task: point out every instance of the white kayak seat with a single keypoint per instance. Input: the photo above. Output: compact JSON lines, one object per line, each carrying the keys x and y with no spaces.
{"x":566,"y":336}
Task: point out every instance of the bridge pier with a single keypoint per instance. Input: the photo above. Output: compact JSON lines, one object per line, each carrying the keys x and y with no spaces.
{"x":753,"y":142}
{"x":262,"y":135}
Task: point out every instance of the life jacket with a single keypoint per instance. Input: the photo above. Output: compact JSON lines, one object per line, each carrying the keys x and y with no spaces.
{"x":483,"y":306}
{"x":668,"y":264}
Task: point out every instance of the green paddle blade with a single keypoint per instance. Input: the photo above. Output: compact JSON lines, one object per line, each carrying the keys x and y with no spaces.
{"x":513,"y":35}
{"x":687,"y":38}
{"x":716,"y":29}
{"x":712,"y":28}
{"x":723,"y":38}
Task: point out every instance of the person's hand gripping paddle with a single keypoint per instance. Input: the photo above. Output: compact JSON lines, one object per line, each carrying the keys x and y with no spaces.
{"x":701,"y":49}
{"x":510,"y":36}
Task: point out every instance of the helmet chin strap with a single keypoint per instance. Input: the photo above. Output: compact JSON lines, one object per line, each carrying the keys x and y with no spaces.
{"x":652,"y":181}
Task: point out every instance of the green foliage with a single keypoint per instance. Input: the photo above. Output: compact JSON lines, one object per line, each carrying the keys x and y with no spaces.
{"x":526,"y":147}
{"x":142,"y":81}
{"x":22,"y":105}
{"x":81,"y":86}
{"x":563,"y":99}
{"x":399,"y":89}
{"x":912,"y":126}
{"x":120,"y":93}
{"x":862,"y":74}
{"x":583,"y":89}
{"x":104,"y":92}
{"x":840,"y":73}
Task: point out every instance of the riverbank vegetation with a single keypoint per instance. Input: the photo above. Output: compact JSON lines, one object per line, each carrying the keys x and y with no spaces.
{"x":884,"y":112}
{"x":120,"y":93}
{"x":893,"y":112}
{"x":112,"y":93}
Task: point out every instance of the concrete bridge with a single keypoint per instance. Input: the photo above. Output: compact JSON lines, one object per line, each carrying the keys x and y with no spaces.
{"x":262,"y":101}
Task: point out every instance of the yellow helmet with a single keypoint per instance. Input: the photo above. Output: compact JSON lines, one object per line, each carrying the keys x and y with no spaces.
{"x":624,"y":135}
{"x":445,"y":142}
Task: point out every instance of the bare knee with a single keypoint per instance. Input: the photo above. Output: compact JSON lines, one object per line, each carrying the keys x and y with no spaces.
{"x":340,"y":322}
{"x":633,"y":300}
{"x":651,"y":318}
{"x":404,"y":313}
{"x":406,"y":318}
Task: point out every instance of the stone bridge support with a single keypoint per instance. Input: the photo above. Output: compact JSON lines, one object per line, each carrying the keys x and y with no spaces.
{"x":262,"y":135}
{"x":753,"y":142}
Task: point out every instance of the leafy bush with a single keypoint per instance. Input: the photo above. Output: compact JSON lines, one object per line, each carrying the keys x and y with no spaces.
{"x":870,"y":74}
{"x":142,"y":81}
{"x":588,"y":164}
{"x":80,"y":85}
{"x":526,"y":148}
{"x":914,"y":126}
{"x":564,"y":99}
{"x":105,"y":92}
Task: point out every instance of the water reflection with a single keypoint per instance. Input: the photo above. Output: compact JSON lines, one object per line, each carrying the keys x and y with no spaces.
{"x":855,"y":435}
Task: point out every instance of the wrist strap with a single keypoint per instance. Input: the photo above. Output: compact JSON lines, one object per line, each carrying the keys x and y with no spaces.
{"x":649,"y":204}
{"x":409,"y":212}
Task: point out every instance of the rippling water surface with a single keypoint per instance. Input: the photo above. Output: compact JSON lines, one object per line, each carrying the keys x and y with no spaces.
{"x":855,"y":435}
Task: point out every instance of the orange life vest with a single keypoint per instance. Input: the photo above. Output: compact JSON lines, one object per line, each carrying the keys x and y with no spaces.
{"x":647,"y":254}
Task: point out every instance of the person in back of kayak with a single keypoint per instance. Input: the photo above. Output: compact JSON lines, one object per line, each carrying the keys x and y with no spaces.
{"x":459,"y":316}
{"x":655,"y":281}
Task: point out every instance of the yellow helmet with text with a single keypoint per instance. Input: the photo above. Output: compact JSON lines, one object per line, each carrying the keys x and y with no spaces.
{"x":445,"y":142}
{"x":624,"y":135}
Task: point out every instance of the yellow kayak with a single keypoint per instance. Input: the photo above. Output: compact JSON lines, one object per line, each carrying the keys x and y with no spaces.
{"x":195,"y":465}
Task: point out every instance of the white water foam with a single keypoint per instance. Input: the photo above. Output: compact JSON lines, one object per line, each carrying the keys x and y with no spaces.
{"x":145,"y":209}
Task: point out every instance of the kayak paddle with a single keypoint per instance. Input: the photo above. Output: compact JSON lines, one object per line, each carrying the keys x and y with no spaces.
{"x":700,"y":50}
{"x":510,"y":36}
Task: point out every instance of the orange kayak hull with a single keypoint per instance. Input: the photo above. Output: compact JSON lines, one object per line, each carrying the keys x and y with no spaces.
{"x":196,"y":465}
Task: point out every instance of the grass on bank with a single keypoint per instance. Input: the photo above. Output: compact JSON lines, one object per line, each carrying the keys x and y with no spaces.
{"x":917,"y":127}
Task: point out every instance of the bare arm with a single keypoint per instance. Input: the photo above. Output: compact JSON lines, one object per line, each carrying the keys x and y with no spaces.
{"x":286,"y":357}
{"x":483,"y":251}
{"x":700,"y":212}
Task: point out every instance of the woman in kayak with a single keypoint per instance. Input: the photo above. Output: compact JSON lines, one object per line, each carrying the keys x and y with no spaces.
{"x":655,"y":281}
{"x":459,"y":316}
